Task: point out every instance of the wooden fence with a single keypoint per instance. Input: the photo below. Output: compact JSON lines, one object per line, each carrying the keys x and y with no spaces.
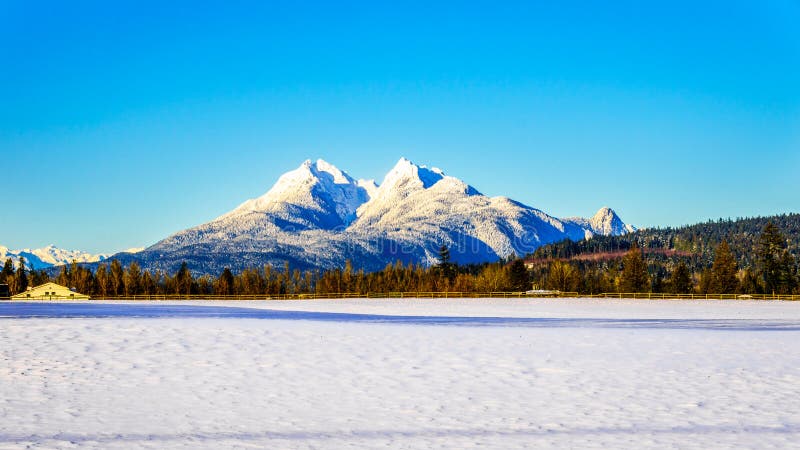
{"x":663,"y":296}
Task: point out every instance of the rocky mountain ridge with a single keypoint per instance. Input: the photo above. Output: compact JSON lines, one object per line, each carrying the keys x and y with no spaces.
{"x":318,"y":216}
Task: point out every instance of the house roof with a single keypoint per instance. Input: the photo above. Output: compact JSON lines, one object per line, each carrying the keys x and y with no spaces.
{"x":50,"y":290}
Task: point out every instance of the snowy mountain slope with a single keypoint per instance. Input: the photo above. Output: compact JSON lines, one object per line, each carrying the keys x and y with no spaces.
{"x":315,"y":195}
{"x":426,"y":208}
{"x":605,"y":222}
{"x":300,"y":220}
{"x":318,"y":216}
{"x":42,"y":258}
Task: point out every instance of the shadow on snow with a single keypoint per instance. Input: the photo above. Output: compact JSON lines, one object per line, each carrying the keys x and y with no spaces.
{"x":85,"y":310}
{"x":406,"y":434}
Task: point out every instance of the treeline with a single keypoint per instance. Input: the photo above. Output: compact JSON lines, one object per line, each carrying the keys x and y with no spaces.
{"x":678,"y":261}
{"x":697,"y":242}
{"x":625,"y":264}
{"x":114,"y":280}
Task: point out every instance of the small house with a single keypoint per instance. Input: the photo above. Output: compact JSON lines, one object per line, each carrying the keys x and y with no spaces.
{"x":50,"y":291}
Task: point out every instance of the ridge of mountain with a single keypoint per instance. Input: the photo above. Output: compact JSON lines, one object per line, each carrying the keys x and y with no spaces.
{"x":318,"y":216}
{"x":49,"y":256}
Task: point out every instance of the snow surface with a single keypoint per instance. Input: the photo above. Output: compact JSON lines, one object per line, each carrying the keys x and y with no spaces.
{"x":400,"y":374}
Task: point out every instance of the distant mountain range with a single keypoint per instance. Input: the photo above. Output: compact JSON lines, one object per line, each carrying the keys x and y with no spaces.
{"x":43,"y":258}
{"x":317,"y":216}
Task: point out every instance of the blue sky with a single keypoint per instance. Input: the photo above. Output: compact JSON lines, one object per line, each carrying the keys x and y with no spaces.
{"x":121,"y":123}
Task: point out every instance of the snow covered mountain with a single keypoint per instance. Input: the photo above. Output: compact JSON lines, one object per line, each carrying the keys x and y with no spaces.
{"x":424,"y":208}
{"x":605,"y":222}
{"x":43,"y":258}
{"x":315,"y":195}
{"x":318,"y":216}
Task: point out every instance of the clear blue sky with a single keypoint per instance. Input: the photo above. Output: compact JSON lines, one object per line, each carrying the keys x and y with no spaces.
{"x":123,"y":122}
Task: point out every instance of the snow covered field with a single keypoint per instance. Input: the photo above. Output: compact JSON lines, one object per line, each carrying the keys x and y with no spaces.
{"x":401,"y":374}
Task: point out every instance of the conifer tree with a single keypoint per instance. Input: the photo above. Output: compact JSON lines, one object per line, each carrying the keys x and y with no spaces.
{"x":657,"y":282}
{"x":308,"y":280}
{"x":750,"y":283}
{"x":37,"y":277}
{"x":681,"y":280}
{"x":789,"y":277}
{"x":596,"y":281}
{"x":285,"y":278}
{"x":347,"y":277}
{"x":776,"y":265}
{"x":297,"y":280}
{"x":444,"y":267}
{"x":133,"y":279}
{"x":7,"y":273}
{"x":444,"y":255}
{"x":224,"y":285}
{"x":706,"y":281}
{"x":74,"y":271}
{"x":518,"y":276}
{"x":82,"y":279}
{"x":183,"y":280}
{"x":63,"y":276}
{"x":204,"y":285}
{"x":160,"y":281}
{"x":148,"y":283}
{"x":634,"y":277}
{"x":20,"y":277}
{"x":117,"y":278}
{"x":723,"y":271}
{"x":102,"y":281}
{"x":269,"y":280}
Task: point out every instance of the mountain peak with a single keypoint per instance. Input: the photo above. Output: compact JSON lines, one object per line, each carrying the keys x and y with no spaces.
{"x":298,"y":181}
{"x":607,"y":222}
{"x":317,"y":187}
{"x":604,"y":212}
{"x":406,"y":172}
{"x":339,"y":177}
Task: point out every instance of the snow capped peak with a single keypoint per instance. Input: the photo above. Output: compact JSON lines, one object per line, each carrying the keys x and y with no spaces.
{"x":327,"y":194}
{"x":339,"y":177}
{"x":406,"y":174}
{"x":48,"y":256}
{"x":604,"y":213}
{"x":311,"y":170}
{"x":607,"y":222}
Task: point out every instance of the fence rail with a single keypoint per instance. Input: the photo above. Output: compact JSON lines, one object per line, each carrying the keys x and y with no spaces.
{"x":438,"y":295}
{"x":662,"y":296}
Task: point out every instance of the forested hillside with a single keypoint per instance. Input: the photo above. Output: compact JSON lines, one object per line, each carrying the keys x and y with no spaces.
{"x":597,"y":262}
{"x":697,"y":241}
